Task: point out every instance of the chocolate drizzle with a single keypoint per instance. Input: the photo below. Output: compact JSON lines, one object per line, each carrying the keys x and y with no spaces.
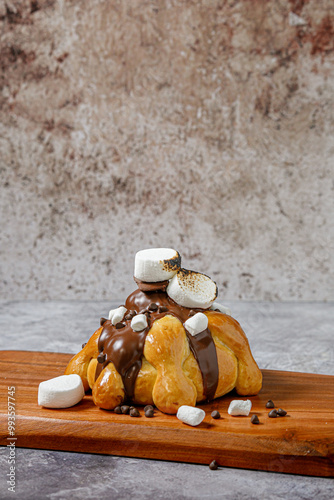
{"x":203,"y":348}
{"x":124,"y":347}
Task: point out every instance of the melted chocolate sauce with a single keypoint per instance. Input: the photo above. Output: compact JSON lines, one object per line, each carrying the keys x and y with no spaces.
{"x":203,"y":348}
{"x":124,"y":347}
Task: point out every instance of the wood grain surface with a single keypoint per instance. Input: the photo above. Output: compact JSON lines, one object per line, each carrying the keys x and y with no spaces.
{"x":300,"y":443}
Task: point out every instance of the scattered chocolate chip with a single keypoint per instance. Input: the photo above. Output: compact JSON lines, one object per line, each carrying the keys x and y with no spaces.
{"x":130,"y":315}
{"x":84,"y":345}
{"x":119,"y":325}
{"x":270,"y":404}
{"x":125,"y":409}
{"x":149,"y":413}
{"x":102,"y":321}
{"x":255,"y":419}
{"x":163,"y":309}
{"x":213,"y":465}
{"x":134,"y":412}
{"x":153,"y":306}
{"x":118,"y":409}
{"x":191,"y":313}
{"x":281,"y":412}
{"x":272,"y":414}
{"x":215,"y":414}
{"x":101,"y":358}
{"x":148,"y":407}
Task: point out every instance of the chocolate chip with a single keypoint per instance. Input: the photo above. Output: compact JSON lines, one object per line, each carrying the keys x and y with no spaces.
{"x":153,"y":306}
{"x":130,"y":315}
{"x":255,"y":419}
{"x":213,"y":465}
{"x":215,"y":414}
{"x":149,"y":413}
{"x":148,"y":407}
{"x":272,"y":414}
{"x":118,"y":409}
{"x":119,"y":325}
{"x":191,"y":313}
{"x":134,"y":412}
{"x":163,"y":309}
{"x":102,"y":321}
{"x":125,"y":409}
{"x":270,"y":404}
{"x":101,"y":358}
{"x":281,"y":412}
{"x":84,"y":345}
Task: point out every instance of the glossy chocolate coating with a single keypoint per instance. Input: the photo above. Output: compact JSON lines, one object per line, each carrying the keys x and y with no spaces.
{"x":144,"y":286}
{"x":124,"y":347}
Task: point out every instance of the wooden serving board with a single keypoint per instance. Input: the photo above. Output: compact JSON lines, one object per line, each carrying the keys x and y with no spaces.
{"x":300,"y":443}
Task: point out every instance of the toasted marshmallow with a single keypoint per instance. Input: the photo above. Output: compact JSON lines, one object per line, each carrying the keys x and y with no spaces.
{"x":239,"y":407}
{"x":221,"y":308}
{"x":156,"y":264}
{"x":61,"y":392}
{"x":192,"y":289}
{"x":190,"y":415}
{"x":116,"y":315}
{"x":139,"y":322}
{"x":196,"y":324}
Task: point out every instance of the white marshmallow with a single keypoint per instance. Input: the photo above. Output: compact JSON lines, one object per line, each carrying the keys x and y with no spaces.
{"x":61,"y":392}
{"x":196,"y":324}
{"x":239,"y":407}
{"x":190,"y":415}
{"x":156,"y":264}
{"x":221,"y":308}
{"x":139,"y":322}
{"x":116,"y":315}
{"x":191,"y":289}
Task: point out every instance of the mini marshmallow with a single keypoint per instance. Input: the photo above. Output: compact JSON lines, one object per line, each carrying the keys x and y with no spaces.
{"x":192,"y":289}
{"x":111,"y":313}
{"x":190,"y":415}
{"x":196,"y":324}
{"x":61,"y":392}
{"x":240,"y":407}
{"x":221,"y":308}
{"x":139,"y":322}
{"x":156,"y":264}
{"x":116,"y":315}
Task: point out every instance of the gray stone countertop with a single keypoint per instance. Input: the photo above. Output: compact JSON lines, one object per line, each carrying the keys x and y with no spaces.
{"x":283,"y":336}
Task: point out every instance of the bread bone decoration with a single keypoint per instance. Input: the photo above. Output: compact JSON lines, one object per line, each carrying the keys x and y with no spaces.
{"x":172,"y":344}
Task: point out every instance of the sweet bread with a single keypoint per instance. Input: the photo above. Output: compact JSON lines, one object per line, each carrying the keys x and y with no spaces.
{"x":154,"y":350}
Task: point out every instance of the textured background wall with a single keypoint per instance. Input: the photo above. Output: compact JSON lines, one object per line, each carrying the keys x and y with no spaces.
{"x":205,"y":126}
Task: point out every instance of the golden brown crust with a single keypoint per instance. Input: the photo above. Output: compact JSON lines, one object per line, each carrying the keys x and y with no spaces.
{"x":170,"y":376}
{"x":227,"y":330}
{"x":80,"y":362}
{"x":166,"y":348}
{"x":108,"y":390}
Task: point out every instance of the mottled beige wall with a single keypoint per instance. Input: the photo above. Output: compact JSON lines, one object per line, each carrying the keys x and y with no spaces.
{"x":205,"y":126}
